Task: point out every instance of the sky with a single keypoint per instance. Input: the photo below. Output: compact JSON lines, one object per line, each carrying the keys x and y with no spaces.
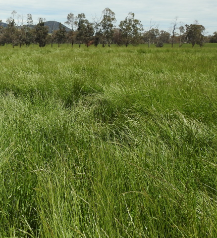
{"x":157,"y":13}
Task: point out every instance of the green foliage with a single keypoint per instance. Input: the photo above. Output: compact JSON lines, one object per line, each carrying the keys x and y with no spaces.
{"x":194,"y":34}
{"x":85,"y":29}
{"x":131,"y":30}
{"x":108,"y":143}
{"x":41,"y":33}
{"x":151,"y":36}
{"x":107,"y":25}
{"x":213,"y":38}
{"x":60,"y":35}
{"x":10,"y":33}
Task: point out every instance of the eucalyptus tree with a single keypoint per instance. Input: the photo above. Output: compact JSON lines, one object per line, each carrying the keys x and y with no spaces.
{"x":14,"y":13}
{"x":98,"y":34}
{"x":131,"y":30}
{"x":72,"y":23}
{"x":41,"y":33}
{"x":60,"y":35}
{"x":174,"y":27}
{"x":21,"y":36}
{"x":213,"y":38}
{"x":2,"y":39}
{"x":28,"y":29}
{"x":10,"y":33}
{"x":117,"y":37}
{"x":151,"y":36}
{"x":164,"y":37}
{"x":181,"y":35}
{"x":107,"y":25}
{"x":85,"y":30}
{"x":29,"y":20}
{"x":194,"y":34}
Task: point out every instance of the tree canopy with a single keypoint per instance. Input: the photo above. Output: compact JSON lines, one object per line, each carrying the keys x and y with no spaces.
{"x":194,"y":34}
{"x":131,"y":29}
{"x":102,"y":31}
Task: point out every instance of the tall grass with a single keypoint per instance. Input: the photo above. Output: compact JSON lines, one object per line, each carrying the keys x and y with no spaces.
{"x":108,"y":142}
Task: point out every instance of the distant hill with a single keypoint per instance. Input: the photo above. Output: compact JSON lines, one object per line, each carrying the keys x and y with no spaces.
{"x":52,"y":26}
{"x":3,"y":24}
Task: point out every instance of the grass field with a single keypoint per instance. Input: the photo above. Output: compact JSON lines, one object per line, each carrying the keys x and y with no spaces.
{"x":108,"y":142}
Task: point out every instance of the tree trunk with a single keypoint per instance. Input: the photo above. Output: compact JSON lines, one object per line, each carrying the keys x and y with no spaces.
{"x":180,"y":41}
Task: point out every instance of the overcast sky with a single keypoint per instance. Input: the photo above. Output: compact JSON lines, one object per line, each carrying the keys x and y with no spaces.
{"x":158,"y":12}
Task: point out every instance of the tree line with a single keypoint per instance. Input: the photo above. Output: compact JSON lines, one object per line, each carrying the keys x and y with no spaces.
{"x":103,"y":31}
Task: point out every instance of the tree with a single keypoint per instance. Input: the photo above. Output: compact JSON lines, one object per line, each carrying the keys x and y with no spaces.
{"x":71,"y":22}
{"x":164,"y":37}
{"x":29,"y":20}
{"x":10,"y":33}
{"x":148,"y":35}
{"x":131,"y":30}
{"x":14,"y":13}
{"x":29,"y":32}
{"x":28,"y":29}
{"x":117,"y":37}
{"x":213,"y":38}
{"x":85,"y":30}
{"x":151,"y":36}
{"x":107,"y":25}
{"x":98,"y":34}
{"x":2,"y":40}
{"x":88,"y":33}
{"x":21,"y":36}
{"x":71,"y":37}
{"x":194,"y":34}
{"x":174,"y":31}
{"x":60,"y":35}
{"x":80,"y":36}
{"x":1,"y":27}
{"x":41,"y":33}
{"x":181,"y":35}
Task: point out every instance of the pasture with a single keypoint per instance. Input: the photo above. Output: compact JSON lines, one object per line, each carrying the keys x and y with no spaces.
{"x":108,"y":142}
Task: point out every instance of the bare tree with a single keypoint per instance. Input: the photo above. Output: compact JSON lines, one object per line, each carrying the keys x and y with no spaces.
{"x":14,"y":14}
{"x":174,"y":27}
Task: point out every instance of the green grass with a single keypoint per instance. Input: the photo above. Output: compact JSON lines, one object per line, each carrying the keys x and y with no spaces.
{"x":108,"y":142}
